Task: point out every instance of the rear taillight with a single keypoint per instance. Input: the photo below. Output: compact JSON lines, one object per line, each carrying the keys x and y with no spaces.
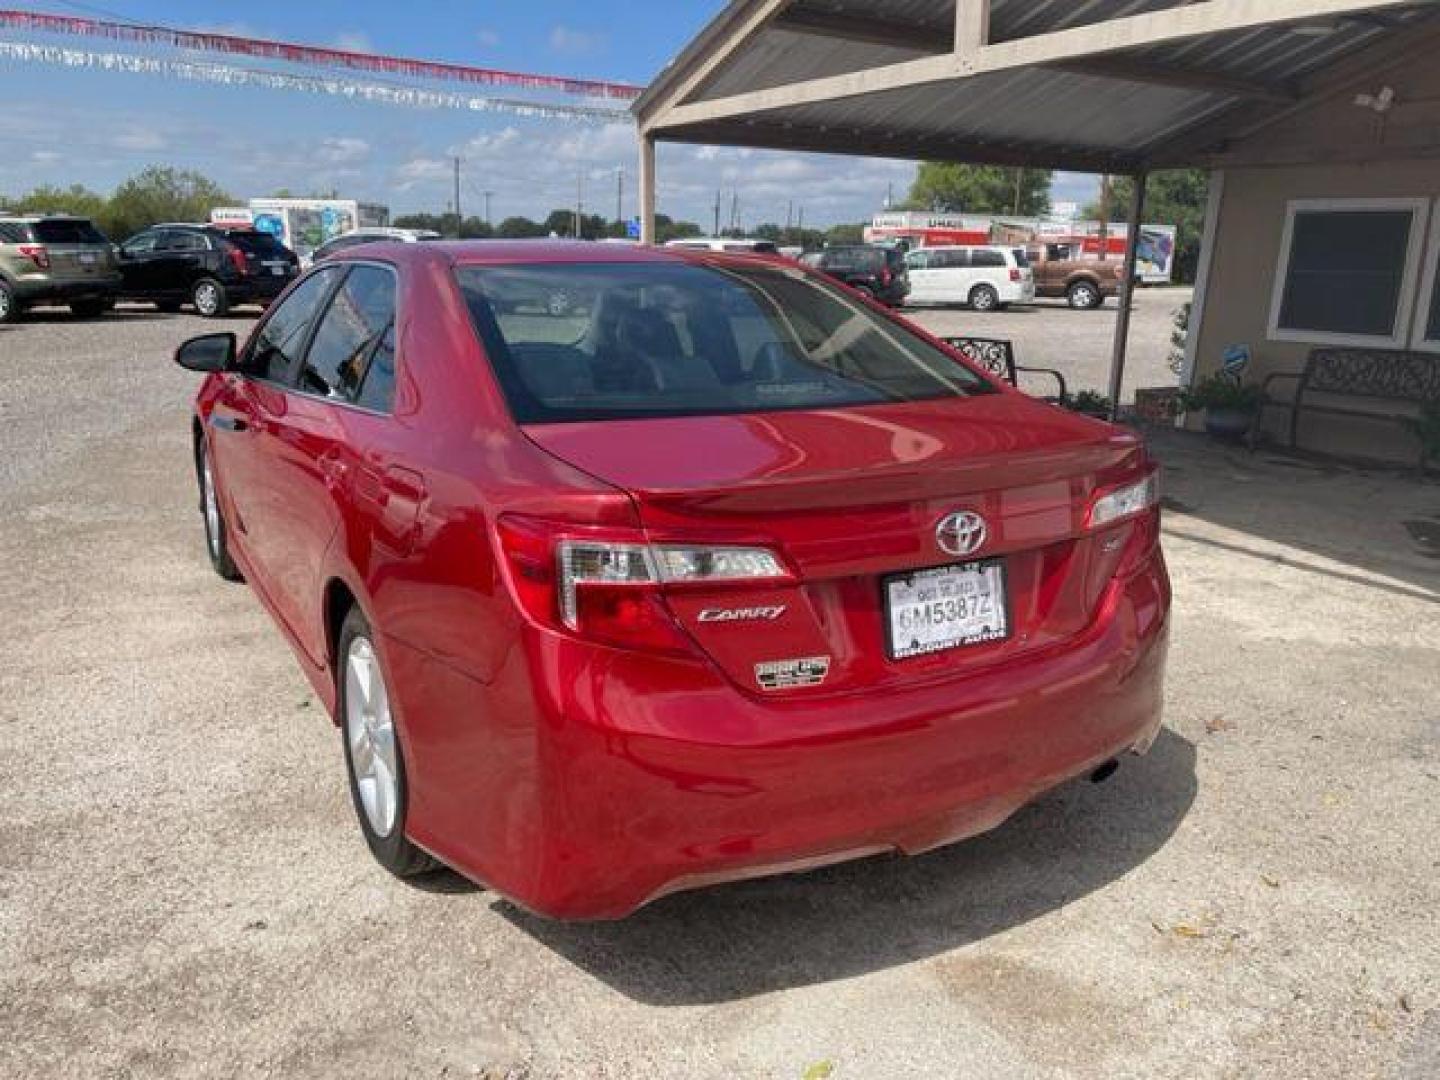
{"x":885,"y":276}
{"x":1120,"y":503}
{"x":37,"y":254}
{"x":237,"y":260}
{"x":606,"y":585}
{"x":1015,"y":274}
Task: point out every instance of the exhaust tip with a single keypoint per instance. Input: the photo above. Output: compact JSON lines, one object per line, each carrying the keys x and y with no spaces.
{"x":1104,"y":772}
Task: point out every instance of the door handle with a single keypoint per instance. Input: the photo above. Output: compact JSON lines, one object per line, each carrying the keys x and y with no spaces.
{"x":228,"y":423}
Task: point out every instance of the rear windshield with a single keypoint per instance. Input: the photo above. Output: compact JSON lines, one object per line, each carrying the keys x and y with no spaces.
{"x":864,"y":259}
{"x":627,"y":340}
{"x":257,"y":243}
{"x":67,"y":232}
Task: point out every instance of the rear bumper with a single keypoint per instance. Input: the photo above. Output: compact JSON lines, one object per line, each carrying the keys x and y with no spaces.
{"x":257,"y":288}
{"x":30,"y":290}
{"x":647,"y":777}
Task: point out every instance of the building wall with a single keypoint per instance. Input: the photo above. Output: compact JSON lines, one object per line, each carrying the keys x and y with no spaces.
{"x":1353,"y":154}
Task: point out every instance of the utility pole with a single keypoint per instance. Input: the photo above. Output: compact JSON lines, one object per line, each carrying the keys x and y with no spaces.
{"x":717,"y":213}
{"x":579,"y":202}
{"x":1107,"y":193}
{"x":734,"y":207}
{"x":619,"y":196}
{"x":459,"y":218}
{"x":800,"y":223}
{"x":889,"y":194}
{"x":487,"y":195}
{"x":789,"y":214}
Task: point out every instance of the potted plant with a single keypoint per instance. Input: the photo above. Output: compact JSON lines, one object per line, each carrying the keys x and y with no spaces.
{"x":1090,"y":403}
{"x":1228,"y":404}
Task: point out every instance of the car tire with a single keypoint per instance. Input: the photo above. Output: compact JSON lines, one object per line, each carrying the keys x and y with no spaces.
{"x":1084,"y":296}
{"x":374,"y":760}
{"x":9,"y":306}
{"x":209,"y":298}
{"x":88,"y":309}
{"x":984,"y":298}
{"x":865,"y":291}
{"x":217,"y":533}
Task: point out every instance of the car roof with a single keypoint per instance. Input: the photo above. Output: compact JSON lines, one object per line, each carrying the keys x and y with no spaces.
{"x":530,"y":252}
{"x":31,"y":219}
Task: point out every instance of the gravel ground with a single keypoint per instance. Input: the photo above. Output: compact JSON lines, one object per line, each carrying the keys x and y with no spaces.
{"x":183,"y":890}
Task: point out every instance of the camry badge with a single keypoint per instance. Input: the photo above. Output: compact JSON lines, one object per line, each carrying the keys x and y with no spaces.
{"x":961,"y":533}
{"x":744,"y":614}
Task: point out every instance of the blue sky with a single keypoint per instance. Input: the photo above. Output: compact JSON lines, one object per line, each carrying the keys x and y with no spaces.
{"x":63,"y":125}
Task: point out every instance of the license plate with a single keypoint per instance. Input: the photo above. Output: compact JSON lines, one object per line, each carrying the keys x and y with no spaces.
{"x":86,"y":259}
{"x":947,"y":608}
{"x":277,"y":271}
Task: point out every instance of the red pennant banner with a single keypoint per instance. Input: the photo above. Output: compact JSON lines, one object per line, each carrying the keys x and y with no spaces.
{"x":39,"y":22}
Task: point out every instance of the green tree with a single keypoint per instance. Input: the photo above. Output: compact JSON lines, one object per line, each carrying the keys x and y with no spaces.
{"x":1174,"y":197}
{"x":519,"y":228}
{"x":76,"y":199}
{"x":160,"y":193}
{"x":980,"y":189}
{"x":845,"y":234}
{"x":667,"y":229}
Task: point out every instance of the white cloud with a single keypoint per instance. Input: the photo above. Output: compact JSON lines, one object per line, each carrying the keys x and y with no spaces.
{"x":487,"y":38}
{"x":344,"y":150}
{"x":572,"y":41}
{"x":353,"y":41}
{"x":420,"y":171}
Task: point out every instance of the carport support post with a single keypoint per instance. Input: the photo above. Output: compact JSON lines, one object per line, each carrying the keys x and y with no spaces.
{"x":647,"y":188}
{"x":1127,"y":294}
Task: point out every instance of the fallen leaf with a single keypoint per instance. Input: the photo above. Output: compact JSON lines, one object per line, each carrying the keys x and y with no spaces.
{"x":821,"y":1070}
{"x":1217,"y":724}
{"x":1186,"y":930}
{"x":1405,"y":1002}
{"x":1274,"y":883}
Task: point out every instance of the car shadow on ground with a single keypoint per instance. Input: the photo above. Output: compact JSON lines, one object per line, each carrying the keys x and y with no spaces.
{"x":737,"y":941}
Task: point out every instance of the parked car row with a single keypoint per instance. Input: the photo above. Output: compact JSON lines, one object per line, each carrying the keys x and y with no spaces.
{"x":59,"y":259}
{"x":984,"y":278}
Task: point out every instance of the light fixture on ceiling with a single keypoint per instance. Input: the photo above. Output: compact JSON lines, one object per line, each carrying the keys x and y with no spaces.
{"x":1381,"y":102}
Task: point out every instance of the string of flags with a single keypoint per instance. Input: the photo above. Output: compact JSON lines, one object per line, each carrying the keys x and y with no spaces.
{"x":335,"y":86}
{"x":315,"y":55}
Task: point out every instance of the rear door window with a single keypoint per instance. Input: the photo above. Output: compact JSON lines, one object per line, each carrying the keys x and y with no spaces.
{"x":274,"y":351}
{"x":357,"y":326}
{"x":987,"y":258}
{"x":181,"y":240}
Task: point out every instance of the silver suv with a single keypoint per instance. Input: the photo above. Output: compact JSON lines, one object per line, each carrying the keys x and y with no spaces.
{"x":55,"y":259}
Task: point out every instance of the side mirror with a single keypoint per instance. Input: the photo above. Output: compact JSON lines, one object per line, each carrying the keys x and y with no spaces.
{"x":207,"y":353}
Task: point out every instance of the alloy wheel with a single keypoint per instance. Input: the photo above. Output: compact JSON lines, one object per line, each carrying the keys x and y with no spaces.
{"x":207,"y":299}
{"x":212,"y":504}
{"x":371,"y":734}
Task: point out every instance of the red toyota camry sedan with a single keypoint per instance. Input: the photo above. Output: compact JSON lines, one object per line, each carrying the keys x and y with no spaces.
{"x":625,"y":571}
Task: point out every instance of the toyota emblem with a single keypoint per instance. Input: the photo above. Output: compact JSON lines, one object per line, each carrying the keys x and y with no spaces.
{"x":961,"y":533}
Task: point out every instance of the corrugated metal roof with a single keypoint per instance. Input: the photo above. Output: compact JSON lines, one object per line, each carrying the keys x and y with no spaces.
{"x":1055,"y":115}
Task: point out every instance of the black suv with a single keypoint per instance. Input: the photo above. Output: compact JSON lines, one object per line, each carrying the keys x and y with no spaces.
{"x":205,"y":265}
{"x":876,"y":271}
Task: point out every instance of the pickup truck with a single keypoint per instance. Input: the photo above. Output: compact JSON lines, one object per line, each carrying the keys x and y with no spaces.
{"x":1084,"y":282}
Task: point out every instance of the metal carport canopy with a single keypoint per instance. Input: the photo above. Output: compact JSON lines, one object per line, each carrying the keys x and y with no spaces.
{"x":1118,"y":86}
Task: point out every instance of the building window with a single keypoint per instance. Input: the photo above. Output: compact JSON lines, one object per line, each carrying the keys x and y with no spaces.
{"x":1348,"y":270}
{"x":1427,"y":314}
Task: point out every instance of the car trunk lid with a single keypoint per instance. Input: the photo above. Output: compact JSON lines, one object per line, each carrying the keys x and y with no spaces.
{"x":852,"y":497}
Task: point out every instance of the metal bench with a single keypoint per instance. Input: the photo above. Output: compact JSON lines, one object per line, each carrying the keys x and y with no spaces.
{"x":997,"y":356}
{"x":1369,"y":384}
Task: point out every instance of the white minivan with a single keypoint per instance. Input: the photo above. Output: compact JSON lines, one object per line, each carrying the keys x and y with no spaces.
{"x":986,"y":278}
